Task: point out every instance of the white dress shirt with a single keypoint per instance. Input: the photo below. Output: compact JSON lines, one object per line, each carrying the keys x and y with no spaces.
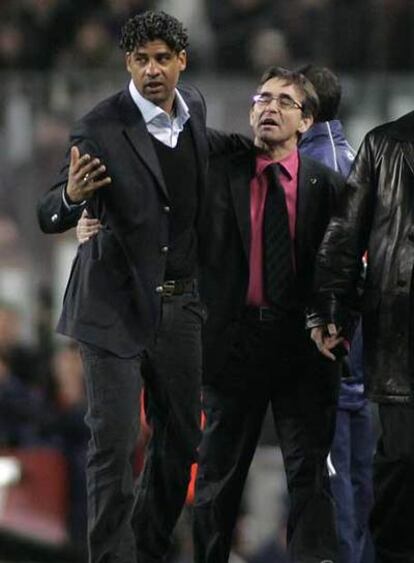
{"x":164,"y":127}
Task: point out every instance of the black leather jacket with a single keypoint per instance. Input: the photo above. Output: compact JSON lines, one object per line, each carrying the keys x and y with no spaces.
{"x":377,"y":215}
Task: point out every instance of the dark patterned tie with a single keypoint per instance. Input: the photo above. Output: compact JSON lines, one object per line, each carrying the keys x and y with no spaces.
{"x":278,"y":275}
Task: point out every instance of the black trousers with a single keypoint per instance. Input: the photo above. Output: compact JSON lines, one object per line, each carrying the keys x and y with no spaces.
{"x":127,"y":522}
{"x":393,"y":514}
{"x":269,"y":362}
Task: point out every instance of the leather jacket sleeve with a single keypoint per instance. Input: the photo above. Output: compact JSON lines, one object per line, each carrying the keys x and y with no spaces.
{"x":338,"y":262}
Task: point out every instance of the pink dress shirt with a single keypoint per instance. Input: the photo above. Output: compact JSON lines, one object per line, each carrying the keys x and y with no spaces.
{"x":288,"y":177}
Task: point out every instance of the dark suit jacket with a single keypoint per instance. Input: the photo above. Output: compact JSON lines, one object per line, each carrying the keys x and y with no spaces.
{"x":111,"y":299}
{"x":226,"y":232}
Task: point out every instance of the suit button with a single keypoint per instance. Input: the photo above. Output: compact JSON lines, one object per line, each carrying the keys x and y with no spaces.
{"x":401,"y":283}
{"x":159,"y":289}
{"x":166,"y":209}
{"x":54,"y":218}
{"x":164,"y":249}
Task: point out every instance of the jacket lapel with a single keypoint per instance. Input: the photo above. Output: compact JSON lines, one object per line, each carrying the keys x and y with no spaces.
{"x":306,"y":180}
{"x":137,"y":134}
{"x":241,"y":173}
{"x":198,"y":128}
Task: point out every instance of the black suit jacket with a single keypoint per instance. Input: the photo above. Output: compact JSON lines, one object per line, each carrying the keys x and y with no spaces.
{"x":111,"y":299}
{"x":226,"y":232}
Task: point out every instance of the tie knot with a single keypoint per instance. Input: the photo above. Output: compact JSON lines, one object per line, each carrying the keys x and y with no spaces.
{"x":273,"y":174}
{"x":273,"y":168}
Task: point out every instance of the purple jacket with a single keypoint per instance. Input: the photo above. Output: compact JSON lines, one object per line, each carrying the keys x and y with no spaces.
{"x":326,"y":143}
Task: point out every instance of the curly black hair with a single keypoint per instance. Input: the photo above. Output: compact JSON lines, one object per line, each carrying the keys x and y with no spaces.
{"x":150,"y":26}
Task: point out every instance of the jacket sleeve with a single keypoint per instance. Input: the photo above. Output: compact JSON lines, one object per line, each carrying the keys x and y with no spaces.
{"x":221,"y":144}
{"x":54,"y":216}
{"x":338,"y":262}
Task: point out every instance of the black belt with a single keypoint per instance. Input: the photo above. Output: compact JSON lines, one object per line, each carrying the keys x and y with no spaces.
{"x":262,"y":314}
{"x":269,"y":315}
{"x":178,"y":287}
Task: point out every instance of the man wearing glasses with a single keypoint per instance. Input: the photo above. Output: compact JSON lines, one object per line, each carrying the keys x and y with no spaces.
{"x":266,"y":212}
{"x":256,"y":350}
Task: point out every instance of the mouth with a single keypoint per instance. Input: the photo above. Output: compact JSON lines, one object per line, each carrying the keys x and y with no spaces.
{"x":268,"y":121}
{"x":154,"y":86}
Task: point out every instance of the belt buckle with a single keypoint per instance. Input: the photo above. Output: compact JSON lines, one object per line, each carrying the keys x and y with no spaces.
{"x":265,"y":314}
{"x":262,"y":316}
{"x":168,"y":288}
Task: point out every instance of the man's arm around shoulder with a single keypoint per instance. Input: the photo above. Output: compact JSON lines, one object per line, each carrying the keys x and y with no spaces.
{"x":222,"y":144}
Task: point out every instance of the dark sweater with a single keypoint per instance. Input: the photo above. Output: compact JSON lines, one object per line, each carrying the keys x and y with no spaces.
{"x":179,"y":169}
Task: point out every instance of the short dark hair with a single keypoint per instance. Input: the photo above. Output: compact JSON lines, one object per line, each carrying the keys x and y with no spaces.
{"x":328,"y":88}
{"x":310,"y":104}
{"x":150,"y":26}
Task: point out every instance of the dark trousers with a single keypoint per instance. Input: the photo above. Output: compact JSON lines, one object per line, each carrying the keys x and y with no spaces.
{"x":128,"y":523}
{"x":351,"y":454}
{"x":393,"y":513}
{"x":274,"y":363}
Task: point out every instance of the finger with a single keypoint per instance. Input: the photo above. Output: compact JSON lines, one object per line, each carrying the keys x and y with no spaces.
{"x":90,"y":223}
{"x":74,"y":156}
{"x":87,"y":167}
{"x":332,"y":330}
{"x":92,"y":233}
{"x":93,"y":175}
{"x":324,"y":349}
{"x":92,"y":228}
{"x":97,"y":172}
{"x":91,"y":187}
{"x":79,"y":161}
{"x":331,"y":342}
{"x":325,"y":352}
{"x":316,"y":335}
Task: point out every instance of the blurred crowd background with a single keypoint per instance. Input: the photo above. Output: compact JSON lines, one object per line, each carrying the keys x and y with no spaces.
{"x":57,"y":59}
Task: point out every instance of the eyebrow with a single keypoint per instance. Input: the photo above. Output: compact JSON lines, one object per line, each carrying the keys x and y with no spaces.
{"x":265,"y":93}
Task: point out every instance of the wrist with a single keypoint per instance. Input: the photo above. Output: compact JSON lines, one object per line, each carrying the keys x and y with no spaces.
{"x":69,"y":199}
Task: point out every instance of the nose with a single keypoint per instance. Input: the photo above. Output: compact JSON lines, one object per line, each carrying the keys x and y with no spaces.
{"x":152,"y":68}
{"x":273,"y":103}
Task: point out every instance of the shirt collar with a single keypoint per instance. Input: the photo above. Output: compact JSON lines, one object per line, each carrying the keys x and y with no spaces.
{"x":288,"y":165}
{"x":150,"y":111}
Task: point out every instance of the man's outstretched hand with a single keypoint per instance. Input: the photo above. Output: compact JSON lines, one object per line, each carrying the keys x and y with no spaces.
{"x":86,"y":175}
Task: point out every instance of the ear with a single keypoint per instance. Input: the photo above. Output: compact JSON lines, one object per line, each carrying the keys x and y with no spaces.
{"x":305,"y":124}
{"x":182,"y":60}
{"x":128,"y":61}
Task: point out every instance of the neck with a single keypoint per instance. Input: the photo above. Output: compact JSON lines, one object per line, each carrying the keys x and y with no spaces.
{"x":276,"y":151}
{"x":168,"y":107}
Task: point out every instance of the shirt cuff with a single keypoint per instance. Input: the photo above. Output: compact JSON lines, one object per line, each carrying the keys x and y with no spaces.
{"x":68,"y":205}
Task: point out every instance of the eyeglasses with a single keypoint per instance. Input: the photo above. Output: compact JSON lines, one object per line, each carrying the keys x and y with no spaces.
{"x":283,"y":101}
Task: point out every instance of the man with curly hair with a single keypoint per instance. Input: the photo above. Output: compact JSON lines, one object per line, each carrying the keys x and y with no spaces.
{"x":137,"y":163}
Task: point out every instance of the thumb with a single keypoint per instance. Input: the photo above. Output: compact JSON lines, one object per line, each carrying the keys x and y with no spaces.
{"x":74,"y":155}
{"x":316,"y":334}
{"x":84,"y":214}
{"x":332,"y":329}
